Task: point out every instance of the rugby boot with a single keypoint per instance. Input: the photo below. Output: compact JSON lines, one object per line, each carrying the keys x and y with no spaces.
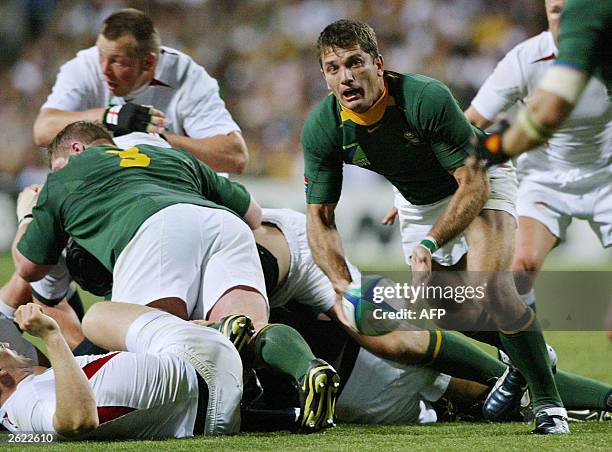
{"x":505,"y":397}
{"x":318,"y":390}
{"x":551,"y":421}
{"x":238,"y":328}
{"x":510,"y":394}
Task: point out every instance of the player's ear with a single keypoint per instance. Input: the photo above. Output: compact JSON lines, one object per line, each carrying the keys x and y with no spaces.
{"x":149,"y":61}
{"x":379,"y":62}
{"x":76,"y":147}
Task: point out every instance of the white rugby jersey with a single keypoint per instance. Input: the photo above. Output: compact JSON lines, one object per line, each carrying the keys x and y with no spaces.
{"x":584,"y":141}
{"x":137,"y":395}
{"x":181,"y":88}
{"x":306,"y":283}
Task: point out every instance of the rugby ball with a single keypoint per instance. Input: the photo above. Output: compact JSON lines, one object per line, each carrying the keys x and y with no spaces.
{"x":365,"y":310}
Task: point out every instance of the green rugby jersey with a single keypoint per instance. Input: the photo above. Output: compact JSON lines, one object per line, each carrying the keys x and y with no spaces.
{"x":421,"y":134}
{"x":104,"y":194}
{"x":586,"y":37}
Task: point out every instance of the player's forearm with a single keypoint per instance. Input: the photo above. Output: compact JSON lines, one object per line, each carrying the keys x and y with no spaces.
{"x":75,"y":404}
{"x":50,"y":121}
{"x":464,"y":206}
{"x":475,"y":118}
{"x":16,"y":292}
{"x":223,"y":153}
{"x":326,"y":247}
{"x":547,"y":111}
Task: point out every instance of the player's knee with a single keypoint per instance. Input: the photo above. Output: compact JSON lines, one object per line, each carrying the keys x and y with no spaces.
{"x":526,"y":262}
{"x":92,"y":318}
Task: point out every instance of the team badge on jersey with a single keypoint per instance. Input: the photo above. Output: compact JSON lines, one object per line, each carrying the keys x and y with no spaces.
{"x":354,"y":154}
{"x":412,"y":138}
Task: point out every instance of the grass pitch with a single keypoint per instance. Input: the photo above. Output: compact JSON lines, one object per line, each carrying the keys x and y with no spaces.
{"x":587,"y":353}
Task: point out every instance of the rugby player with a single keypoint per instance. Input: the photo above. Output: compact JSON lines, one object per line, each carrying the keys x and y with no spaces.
{"x":401,"y":387}
{"x":584,"y":52}
{"x":410,"y":129}
{"x":172,"y":233}
{"x":187,"y":375}
{"x":382,"y":391}
{"x":568,"y":177}
{"x":128,"y":68}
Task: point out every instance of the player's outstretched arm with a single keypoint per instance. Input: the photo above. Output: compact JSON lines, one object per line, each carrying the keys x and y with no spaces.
{"x":50,"y":121}
{"x":223,"y":153}
{"x":75,"y":404}
{"x":326,"y":245}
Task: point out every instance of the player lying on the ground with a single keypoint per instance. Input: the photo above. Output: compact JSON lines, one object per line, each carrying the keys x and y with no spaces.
{"x":174,"y":234}
{"x":409,"y":129}
{"x":292,"y":275}
{"x":176,"y":379}
{"x":584,"y":52}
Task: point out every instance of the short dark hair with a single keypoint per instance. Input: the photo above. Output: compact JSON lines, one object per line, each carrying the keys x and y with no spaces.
{"x":346,"y":33}
{"x":85,"y":131}
{"x":136,"y":23}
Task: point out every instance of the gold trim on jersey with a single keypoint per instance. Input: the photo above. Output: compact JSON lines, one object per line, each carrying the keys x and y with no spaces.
{"x":373,"y":115}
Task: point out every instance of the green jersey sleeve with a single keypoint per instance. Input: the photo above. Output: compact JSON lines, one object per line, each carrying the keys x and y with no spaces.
{"x":45,"y":237}
{"x":585,"y":34}
{"x":223,"y":191}
{"x":322,"y":162}
{"x":443,"y":124}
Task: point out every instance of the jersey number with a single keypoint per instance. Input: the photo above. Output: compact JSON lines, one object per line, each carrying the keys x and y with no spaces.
{"x":132,"y":157}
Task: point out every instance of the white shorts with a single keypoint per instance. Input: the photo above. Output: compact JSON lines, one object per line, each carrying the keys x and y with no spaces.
{"x":417,"y":220}
{"x":380,"y":391}
{"x":210,"y":353}
{"x":189,"y":252}
{"x":555,"y":206}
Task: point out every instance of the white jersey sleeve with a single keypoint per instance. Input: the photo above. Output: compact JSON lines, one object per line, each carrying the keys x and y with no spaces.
{"x":504,"y":87}
{"x":32,"y":406}
{"x":203,"y":110}
{"x":79,"y":84}
{"x":55,"y":285}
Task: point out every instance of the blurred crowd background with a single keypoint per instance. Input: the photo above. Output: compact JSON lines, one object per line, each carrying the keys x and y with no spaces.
{"x":261,"y":52}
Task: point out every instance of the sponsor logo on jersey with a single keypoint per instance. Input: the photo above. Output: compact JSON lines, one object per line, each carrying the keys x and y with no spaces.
{"x":305,"y":185}
{"x":355,"y":155}
{"x":372,"y":129}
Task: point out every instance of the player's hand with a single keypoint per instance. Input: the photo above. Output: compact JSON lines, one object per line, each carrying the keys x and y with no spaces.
{"x":202,"y":322}
{"x":10,"y":359}
{"x":340,"y":287}
{"x":390,"y":217}
{"x":123,"y":119}
{"x":489,"y":147}
{"x":26,"y":201}
{"x":420,"y":263}
{"x":32,"y":320}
